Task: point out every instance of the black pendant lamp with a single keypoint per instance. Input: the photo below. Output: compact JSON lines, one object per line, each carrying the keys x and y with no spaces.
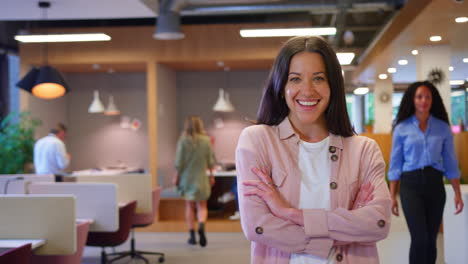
{"x":44,"y":82}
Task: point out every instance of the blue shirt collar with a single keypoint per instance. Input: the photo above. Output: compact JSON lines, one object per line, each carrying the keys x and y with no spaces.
{"x":415,"y":121}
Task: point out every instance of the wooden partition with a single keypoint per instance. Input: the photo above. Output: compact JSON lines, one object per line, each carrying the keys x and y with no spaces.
{"x":461,"y":150}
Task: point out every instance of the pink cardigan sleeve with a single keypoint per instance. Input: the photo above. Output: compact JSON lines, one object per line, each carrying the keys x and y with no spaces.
{"x":365,"y":225}
{"x":258,"y":224}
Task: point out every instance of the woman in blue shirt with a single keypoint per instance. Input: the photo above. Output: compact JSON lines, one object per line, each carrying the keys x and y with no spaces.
{"x":422,"y":153}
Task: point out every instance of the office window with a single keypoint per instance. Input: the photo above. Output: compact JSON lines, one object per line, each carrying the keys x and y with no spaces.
{"x":396,"y":101}
{"x":458,"y":105}
{"x":349,"y":105}
{"x":369,"y":108}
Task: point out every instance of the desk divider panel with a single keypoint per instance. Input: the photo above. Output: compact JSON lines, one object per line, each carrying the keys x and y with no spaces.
{"x":135,"y":186}
{"x":96,"y":201}
{"x":48,"y":217}
{"x":18,"y":182}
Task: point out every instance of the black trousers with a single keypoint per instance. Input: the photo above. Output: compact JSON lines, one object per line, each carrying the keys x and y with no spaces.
{"x":422,"y":195}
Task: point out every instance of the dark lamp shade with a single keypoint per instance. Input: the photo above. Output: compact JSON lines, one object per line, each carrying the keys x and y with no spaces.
{"x":44,"y":82}
{"x":168,"y":26}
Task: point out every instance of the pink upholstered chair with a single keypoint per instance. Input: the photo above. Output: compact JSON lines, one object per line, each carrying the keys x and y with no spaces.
{"x":82,"y":235}
{"x":19,"y":255}
{"x":142,"y":220}
{"x":113,"y":239}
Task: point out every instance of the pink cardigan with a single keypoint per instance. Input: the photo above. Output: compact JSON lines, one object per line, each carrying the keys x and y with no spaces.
{"x":354,"y":233}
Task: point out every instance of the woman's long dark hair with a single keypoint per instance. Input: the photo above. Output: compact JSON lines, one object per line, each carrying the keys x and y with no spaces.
{"x":407,"y":103}
{"x":273,"y":108}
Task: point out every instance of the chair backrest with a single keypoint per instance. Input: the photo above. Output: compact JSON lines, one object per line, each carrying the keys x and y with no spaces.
{"x":145,"y":219}
{"x":19,"y":255}
{"x":82,"y":229}
{"x":112,"y":239}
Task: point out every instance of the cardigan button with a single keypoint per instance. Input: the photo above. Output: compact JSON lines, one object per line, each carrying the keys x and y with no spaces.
{"x":334,"y":157}
{"x":339,"y":257}
{"x":332,"y":149}
{"x":381,"y":223}
{"x":333,"y":185}
{"x":259,"y":230}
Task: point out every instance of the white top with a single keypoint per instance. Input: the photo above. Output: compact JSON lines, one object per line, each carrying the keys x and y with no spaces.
{"x":50,"y":155}
{"x":314,"y":164}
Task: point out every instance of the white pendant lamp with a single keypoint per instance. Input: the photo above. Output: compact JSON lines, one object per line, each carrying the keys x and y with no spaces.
{"x":223,"y":104}
{"x":111,"y":107}
{"x":96,"y":106}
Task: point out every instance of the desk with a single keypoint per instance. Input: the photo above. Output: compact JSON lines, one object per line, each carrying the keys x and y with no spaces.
{"x":14,"y":243}
{"x":223,"y":183}
{"x":231,"y":173}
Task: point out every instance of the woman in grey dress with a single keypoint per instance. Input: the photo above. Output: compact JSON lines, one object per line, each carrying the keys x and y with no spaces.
{"x":194,"y":157}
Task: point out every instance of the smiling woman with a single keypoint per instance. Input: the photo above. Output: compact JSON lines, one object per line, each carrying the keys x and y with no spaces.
{"x":311,"y":191}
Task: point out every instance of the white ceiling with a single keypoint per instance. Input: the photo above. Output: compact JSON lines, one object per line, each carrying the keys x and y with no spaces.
{"x":436,"y":19}
{"x":74,"y":9}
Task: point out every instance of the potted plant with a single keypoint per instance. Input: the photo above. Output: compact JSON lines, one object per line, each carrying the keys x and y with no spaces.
{"x":17,"y":142}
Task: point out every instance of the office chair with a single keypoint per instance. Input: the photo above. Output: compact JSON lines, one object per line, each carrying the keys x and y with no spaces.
{"x":19,"y":255}
{"x":82,"y":234}
{"x":143,"y":220}
{"x":113,"y":239}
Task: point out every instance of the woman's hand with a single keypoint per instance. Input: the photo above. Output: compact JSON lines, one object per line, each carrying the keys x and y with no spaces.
{"x":364,"y":195}
{"x":265,"y":189}
{"x":175,"y":179}
{"x":212,"y":180}
{"x":458,"y":203}
{"x":395,"y":210}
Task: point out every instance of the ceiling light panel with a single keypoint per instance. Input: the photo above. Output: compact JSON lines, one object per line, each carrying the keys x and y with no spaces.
{"x":345,"y":58}
{"x":62,"y":38}
{"x":287,"y":32}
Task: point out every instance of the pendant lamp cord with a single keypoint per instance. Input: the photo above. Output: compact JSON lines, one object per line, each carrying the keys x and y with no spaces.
{"x":44,"y":5}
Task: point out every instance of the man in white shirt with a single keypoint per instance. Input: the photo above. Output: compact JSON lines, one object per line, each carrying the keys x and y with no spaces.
{"x":50,"y":154}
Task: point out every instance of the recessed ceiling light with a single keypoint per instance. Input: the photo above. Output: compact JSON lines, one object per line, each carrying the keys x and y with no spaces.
{"x":361,"y":90}
{"x":451,"y":68}
{"x":414,"y":52}
{"x":457,"y":82}
{"x":461,"y":19}
{"x":391,"y":70}
{"x":383,"y":76}
{"x":403,"y":62}
{"x":435,"y":38}
{"x":287,"y":32}
{"x":465,"y":60}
